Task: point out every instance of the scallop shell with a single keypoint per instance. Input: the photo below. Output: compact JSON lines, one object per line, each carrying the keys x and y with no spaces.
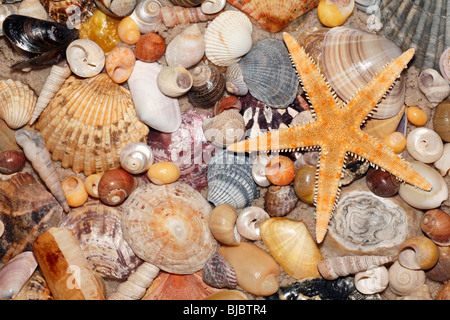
{"x":18,"y":102}
{"x":15,"y":273}
{"x":6,"y":9}
{"x":268,"y":73}
{"x":189,"y":40}
{"x":350,"y":58}
{"x":230,"y":180}
{"x":89,"y":139}
{"x":72,"y":11}
{"x":147,"y":15}
{"x":167,"y":226}
{"x":98,"y":230}
{"x":153,"y":107}
{"x":218,"y":273}
{"x":228,"y":37}
{"x":274,"y":16}
{"x":224,"y":129}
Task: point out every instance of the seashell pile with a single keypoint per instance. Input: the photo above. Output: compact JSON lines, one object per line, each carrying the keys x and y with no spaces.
{"x":117,"y":123}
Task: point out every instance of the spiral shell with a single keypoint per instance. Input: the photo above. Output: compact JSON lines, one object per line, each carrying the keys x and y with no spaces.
{"x":433,"y":86}
{"x":174,"y":81}
{"x":280,"y":170}
{"x":333,"y":13}
{"x":74,"y":191}
{"x":403,"y":281}
{"x":18,"y":102}
{"x":115,"y":186}
{"x":128,"y":31}
{"x":11,"y":161}
{"x":424,"y":145}
{"x":147,"y":15}
{"x":176,"y":15}
{"x":372,"y":280}
{"x":280,"y":200}
{"x":333,"y":268}
{"x":136,"y":157}
{"x":213,"y":6}
{"x":116,"y":8}
{"x":224,"y":129}
{"x":259,"y":170}
{"x":208,"y":86}
{"x":435,"y":223}
{"x":222,"y":223}
{"x":91,"y":184}
{"x":418,"y":253}
{"x":249,"y":220}
{"x":444,"y":64}
{"x":85,"y":57}
{"x":119,"y":64}
{"x":218,"y":273}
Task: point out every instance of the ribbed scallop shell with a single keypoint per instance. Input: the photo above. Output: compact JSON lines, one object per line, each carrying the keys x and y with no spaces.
{"x":228,"y":37}
{"x":98,"y":230}
{"x":218,"y":273}
{"x":268,"y":73}
{"x":73,"y":11}
{"x":230,"y":180}
{"x":274,"y":16}
{"x":17,"y":103}
{"x":88,"y":122}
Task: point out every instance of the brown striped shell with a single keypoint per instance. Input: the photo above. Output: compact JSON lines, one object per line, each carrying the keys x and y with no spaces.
{"x":218,"y":273}
{"x":208,"y":86}
{"x":75,"y":11}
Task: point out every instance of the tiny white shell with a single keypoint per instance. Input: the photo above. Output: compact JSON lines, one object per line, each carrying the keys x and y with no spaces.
{"x":433,"y":86}
{"x":174,"y":81}
{"x":136,"y":157}
{"x":85,"y":57}
{"x":372,"y":281}
{"x":213,"y":6}
{"x":248,"y":221}
{"x":424,"y":145}
{"x":443,"y":163}
{"x":33,"y":8}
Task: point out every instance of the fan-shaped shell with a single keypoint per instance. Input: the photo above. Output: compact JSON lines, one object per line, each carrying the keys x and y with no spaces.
{"x":268,"y":73}
{"x":88,"y":122}
{"x":230,"y":180}
{"x":18,"y":102}
{"x":228,"y":38}
{"x":274,"y":16}
{"x":167,"y":226}
{"x":351,"y":58}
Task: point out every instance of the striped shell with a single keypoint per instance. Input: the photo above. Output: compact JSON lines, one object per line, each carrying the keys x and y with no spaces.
{"x":208,"y":86}
{"x":18,"y":102}
{"x":87,"y":136}
{"x":15,"y":273}
{"x":230,"y":180}
{"x":72,"y":11}
{"x":218,"y":273}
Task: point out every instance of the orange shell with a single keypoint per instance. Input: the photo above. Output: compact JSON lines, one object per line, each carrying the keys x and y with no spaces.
{"x":416,"y":116}
{"x":280,"y":170}
{"x":396,"y":141}
{"x":150,"y":47}
{"x":119,"y":64}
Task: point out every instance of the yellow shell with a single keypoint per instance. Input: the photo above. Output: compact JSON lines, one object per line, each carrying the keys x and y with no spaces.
{"x":128,"y":31}
{"x":91,"y":184}
{"x":416,"y":116}
{"x":17,"y":103}
{"x":396,"y":141}
{"x":88,"y":122}
{"x":163,"y":172}
{"x":74,"y":191}
{"x":222,"y":223}
{"x":292,"y":246}
{"x":333,"y":13}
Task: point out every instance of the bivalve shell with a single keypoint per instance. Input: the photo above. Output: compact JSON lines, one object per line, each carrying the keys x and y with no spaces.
{"x":15,"y":273}
{"x":18,"y":102}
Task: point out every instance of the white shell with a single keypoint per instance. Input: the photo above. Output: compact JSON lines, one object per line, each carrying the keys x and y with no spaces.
{"x":189,"y":41}
{"x":443,"y":163}
{"x":174,"y":81}
{"x":147,"y":15}
{"x":433,"y":86}
{"x":248,"y":221}
{"x":153,"y":107}
{"x":372,"y":281}
{"x":403,"y":281}
{"x":228,"y":37}
{"x":15,"y":273}
{"x":17,"y":103}
{"x":85,"y":57}
{"x":419,"y":198}
{"x":213,"y":6}
{"x":259,"y":170}
{"x":444,"y":64}
{"x":136,"y":157}
{"x":424,"y":145}
{"x":33,"y":8}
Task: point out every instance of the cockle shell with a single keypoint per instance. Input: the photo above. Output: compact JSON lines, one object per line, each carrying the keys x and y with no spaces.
{"x":191,"y":41}
{"x":18,"y":102}
{"x":351,"y":57}
{"x":435,"y":223}
{"x":167,"y":226}
{"x":6,"y":9}
{"x":15,"y":273}
{"x":153,"y":107}
{"x":33,"y":145}
{"x":72,"y":12}
{"x":443,"y":163}
{"x":274,"y":16}
{"x":98,"y":230}
{"x":33,"y":8}
{"x":136,"y":157}
{"x":267,"y":71}
{"x":230,"y":180}
{"x":403,"y":281}
{"x":224,"y":129}
{"x":147,"y":15}
{"x":56,"y":78}
{"x":372,"y":280}
{"x":248,"y":221}
{"x":228,"y":37}
{"x":433,"y":86}
{"x":424,"y":145}
{"x":444,"y":64}
{"x":418,"y":252}
{"x":174,"y":81}
{"x":291,"y":244}
{"x":333,"y":268}
{"x":119,"y":64}
{"x":425,"y":199}
{"x":208,"y":86}
{"x":218,"y":273}
{"x":213,"y":6}
{"x":85,"y":57}
{"x":86,"y":136}
{"x":172,"y":16}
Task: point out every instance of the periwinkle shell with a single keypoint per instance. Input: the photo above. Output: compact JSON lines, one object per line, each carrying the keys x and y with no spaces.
{"x":218,"y":273}
{"x":207,"y":88}
{"x":11,"y":161}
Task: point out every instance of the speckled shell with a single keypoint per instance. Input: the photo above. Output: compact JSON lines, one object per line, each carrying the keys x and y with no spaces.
{"x":280,"y":200}
{"x":228,"y":37}
{"x":268,"y":73}
{"x":208,"y":86}
{"x":18,"y":102}
{"x":89,"y":139}
{"x":5,"y":10}
{"x":218,"y":273}
{"x":230,"y":180}
{"x":167,"y":226}
{"x":72,"y":11}
{"x":15,"y":273}
{"x":98,"y":230}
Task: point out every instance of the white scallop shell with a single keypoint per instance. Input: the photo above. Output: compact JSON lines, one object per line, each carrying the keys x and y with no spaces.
{"x":85,"y":57}
{"x":17,"y":103}
{"x":228,"y":37}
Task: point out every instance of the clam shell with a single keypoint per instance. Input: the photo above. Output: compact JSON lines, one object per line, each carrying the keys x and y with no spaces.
{"x":351,"y":58}
{"x":274,"y":16}
{"x":73,"y":11}
{"x":167,"y":226}
{"x":88,"y":136}
{"x":230,"y":180}
{"x":268,"y":73}
{"x":15,"y":273}
{"x":189,"y":40}
{"x":6,"y":9}
{"x":98,"y":230}
{"x":228,"y":37}
{"x":152,"y":106}
{"x":18,"y":103}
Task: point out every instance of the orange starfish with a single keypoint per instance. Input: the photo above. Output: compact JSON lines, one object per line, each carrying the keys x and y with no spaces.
{"x":336,"y":131}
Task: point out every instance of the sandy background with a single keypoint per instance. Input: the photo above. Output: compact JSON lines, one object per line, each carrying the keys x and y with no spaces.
{"x":414,"y":97}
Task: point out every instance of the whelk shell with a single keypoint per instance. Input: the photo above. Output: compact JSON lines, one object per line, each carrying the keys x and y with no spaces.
{"x":18,"y":103}
{"x":15,"y":273}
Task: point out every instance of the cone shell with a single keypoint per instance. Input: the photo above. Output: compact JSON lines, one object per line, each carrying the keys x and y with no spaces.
{"x":228,"y":38}
{"x":88,"y":122}
{"x":18,"y":102}
{"x":274,"y":16}
{"x":167,"y":226}
{"x":292,"y":246}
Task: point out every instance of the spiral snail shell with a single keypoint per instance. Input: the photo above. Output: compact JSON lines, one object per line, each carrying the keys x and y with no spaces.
{"x":435,"y":223}
{"x":115,"y":186}
{"x":136,"y":157}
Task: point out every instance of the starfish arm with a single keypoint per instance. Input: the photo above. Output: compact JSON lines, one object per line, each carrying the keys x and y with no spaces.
{"x":380,"y":155}
{"x":313,"y":82}
{"x":327,"y":189}
{"x":364,"y":102}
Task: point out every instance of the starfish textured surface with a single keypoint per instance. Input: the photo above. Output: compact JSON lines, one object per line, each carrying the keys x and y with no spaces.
{"x":336,"y":131}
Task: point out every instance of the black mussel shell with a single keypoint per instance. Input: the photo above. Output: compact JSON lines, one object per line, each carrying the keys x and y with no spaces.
{"x":35,"y":35}
{"x":43,"y":60}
